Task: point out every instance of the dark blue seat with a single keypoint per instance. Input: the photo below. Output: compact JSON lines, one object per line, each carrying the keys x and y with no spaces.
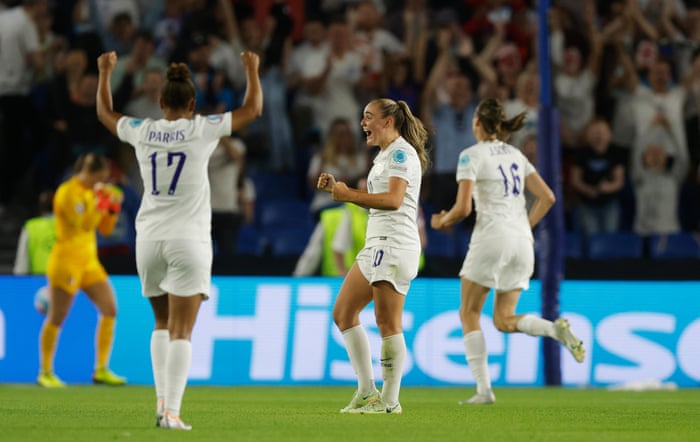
{"x":462,"y":239}
{"x":283,"y":214}
{"x":288,"y":241}
{"x":250,"y":241}
{"x":573,"y":248}
{"x":614,"y":245}
{"x":275,"y":186}
{"x":440,"y":244}
{"x":674,"y":246}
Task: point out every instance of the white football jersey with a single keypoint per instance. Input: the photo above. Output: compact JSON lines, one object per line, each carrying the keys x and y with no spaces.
{"x":396,"y":228}
{"x":499,"y":171}
{"x":173,"y":158}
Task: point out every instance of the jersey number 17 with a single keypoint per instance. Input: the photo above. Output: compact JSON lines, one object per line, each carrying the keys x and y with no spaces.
{"x":181,"y":157}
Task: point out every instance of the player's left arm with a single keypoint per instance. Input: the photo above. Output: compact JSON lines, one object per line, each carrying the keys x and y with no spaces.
{"x":390,"y":200}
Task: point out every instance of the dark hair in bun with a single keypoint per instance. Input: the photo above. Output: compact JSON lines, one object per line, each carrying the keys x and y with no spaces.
{"x":179,"y":88}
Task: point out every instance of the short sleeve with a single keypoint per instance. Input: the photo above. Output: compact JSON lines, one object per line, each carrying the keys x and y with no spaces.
{"x":217,"y":125}
{"x":529,"y":168}
{"x":401,"y":162}
{"x":467,"y":165}
{"x":129,"y":128}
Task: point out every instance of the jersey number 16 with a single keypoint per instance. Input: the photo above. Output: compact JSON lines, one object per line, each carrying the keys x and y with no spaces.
{"x":509,"y":186}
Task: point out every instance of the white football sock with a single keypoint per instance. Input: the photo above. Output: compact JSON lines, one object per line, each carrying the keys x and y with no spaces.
{"x":159,"y":353}
{"x":393,"y":358}
{"x":536,"y":326}
{"x":477,"y":358}
{"x":177,"y":366}
{"x":357,"y":346}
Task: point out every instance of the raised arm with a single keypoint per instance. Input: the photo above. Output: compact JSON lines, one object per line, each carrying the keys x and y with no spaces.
{"x":252,"y":106}
{"x":105,"y":109}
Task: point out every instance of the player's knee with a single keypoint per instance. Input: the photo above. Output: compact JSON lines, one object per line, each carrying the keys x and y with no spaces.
{"x":503,"y":324}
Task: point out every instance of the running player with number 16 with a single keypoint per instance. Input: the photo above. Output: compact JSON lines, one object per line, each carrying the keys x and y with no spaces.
{"x":173,"y":225}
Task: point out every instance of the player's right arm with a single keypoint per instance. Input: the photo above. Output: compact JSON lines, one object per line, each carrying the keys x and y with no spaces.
{"x":253,"y":101}
{"x":105,"y":108}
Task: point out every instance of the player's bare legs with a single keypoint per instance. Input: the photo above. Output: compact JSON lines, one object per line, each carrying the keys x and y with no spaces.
{"x":182,"y":313}
{"x":160,"y":340}
{"x":473,"y":298}
{"x":355,"y":294}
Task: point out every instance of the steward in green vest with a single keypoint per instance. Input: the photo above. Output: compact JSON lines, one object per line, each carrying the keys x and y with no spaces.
{"x":36,"y":239}
{"x":331,"y":220}
{"x":41,"y":234}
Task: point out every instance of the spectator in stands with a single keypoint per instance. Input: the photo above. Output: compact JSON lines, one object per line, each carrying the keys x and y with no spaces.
{"x":335,"y":86}
{"x":527,"y":99}
{"x":20,"y":57}
{"x":307,"y":61}
{"x":214,"y":95}
{"x":141,"y":59}
{"x":659,"y":166}
{"x":225,"y":167}
{"x":341,"y":157}
{"x":373,"y":43}
{"x":576,"y":75}
{"x":451,"y":129}
{"x":597,"y":177}
{"x":146,"y":102}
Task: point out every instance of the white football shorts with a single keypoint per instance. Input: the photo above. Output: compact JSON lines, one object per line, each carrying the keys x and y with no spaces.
{"x":503,"y":265}
{"x":396,"y":266}
{"x":180,"y":267}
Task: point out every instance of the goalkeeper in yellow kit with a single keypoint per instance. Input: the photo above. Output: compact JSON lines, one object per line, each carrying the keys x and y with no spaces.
{"x":82,"y":205}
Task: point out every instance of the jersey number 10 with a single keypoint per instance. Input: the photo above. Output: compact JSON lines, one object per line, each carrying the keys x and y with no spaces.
{"x":514,"y":186}
{"x":181,"y":157}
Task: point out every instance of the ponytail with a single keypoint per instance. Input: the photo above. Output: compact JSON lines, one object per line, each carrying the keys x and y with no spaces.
{"x":409,"y":126}
{"x":493,"y":120}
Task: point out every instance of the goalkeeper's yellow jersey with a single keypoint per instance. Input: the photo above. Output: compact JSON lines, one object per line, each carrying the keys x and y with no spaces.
{"x":77,"y":220}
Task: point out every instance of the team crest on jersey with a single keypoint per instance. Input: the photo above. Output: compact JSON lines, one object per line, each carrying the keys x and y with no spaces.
{"x":464,"y":160}
{"x":399,"y":156}
{"x":214,"y":119}
{"x":135,"y":122}
{"x":80,"y":208}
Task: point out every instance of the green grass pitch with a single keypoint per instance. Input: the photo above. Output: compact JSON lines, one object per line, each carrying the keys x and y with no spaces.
{"x":91,"y":413}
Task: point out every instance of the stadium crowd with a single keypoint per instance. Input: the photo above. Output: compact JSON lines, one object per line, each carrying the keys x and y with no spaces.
{"x":625,"y":79}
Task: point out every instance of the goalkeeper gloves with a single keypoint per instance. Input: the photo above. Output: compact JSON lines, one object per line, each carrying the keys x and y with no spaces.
{"x":109,"y":198}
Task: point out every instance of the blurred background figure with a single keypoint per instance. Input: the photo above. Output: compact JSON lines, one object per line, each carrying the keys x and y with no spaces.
{"x":226,"y":171}
{"x":658,"y":169}
{"x":341,"y":157}
{"x":597,"y":177}
{"x":336,"y":240}
{"x":36,"y":239}
{"x":20,"y":57}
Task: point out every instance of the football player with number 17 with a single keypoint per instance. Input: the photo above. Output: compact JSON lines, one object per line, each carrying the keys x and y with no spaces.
{"x":173,"y":225}
{"x":501,"y":253}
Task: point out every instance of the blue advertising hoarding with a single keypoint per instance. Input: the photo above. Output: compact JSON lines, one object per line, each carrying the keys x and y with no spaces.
{"x":279,"y":331}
